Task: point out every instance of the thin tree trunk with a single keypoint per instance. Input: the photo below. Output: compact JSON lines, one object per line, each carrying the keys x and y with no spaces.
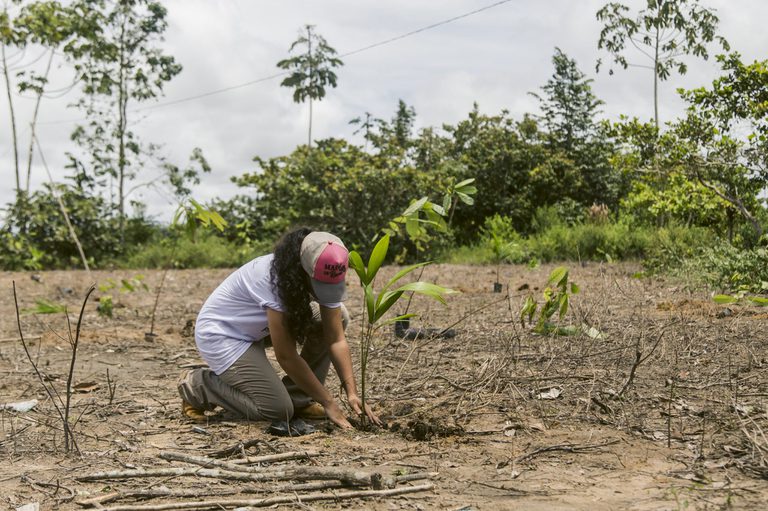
{"x":311,"y":79}
{"x":13,"y":119}
{"x":71,"y":229}
{"x":121,"y":105}
{"x":656,"y":82}
{"x":33,"y":123}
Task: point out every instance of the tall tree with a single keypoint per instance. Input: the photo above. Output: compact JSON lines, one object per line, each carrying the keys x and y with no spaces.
{"x":119,"y":63}
{"x":568,"y":105}
{"x":723,"y":141}
{"x":663,"y":33}
{"x":42,"y":28}
{"x":311,"y":69}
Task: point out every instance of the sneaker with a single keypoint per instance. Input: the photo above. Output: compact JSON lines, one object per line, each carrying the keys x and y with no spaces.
{"x":311,"y":411}
{"x":190,"y":412}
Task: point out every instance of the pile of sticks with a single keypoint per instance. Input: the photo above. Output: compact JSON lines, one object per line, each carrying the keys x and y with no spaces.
{"x":299,"y":483}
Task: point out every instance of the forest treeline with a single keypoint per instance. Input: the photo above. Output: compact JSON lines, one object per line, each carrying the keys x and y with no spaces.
{"x":557,"y":184}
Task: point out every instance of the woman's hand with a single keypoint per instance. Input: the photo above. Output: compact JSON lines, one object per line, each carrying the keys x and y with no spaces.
{"x":357,"y":407}
{"x":333,"y":411}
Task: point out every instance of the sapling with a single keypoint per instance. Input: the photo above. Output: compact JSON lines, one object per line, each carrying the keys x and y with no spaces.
{"x":378,"y":303}
{"x":557,"y":297}
{"x":190,"y":216}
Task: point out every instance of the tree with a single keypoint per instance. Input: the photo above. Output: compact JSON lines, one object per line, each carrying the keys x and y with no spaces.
{"x":334,"y":186}
{"x":42,"y":25}
{"x":311,"y":70}
{"x":119,"y":63}
{"x":663,"y":32}
{"x":723,"y":140}
{"x":568,"y":104}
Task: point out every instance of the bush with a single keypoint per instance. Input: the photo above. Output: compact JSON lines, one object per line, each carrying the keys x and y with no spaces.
{"x":730,"y":269}
{"x":661,"y":249}
{"x":206,"y":252}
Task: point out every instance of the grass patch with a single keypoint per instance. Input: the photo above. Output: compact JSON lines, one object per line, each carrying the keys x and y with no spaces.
{"x":206,"y":252}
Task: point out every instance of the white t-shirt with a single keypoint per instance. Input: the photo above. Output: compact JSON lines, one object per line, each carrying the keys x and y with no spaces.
{"x":235,"y":315}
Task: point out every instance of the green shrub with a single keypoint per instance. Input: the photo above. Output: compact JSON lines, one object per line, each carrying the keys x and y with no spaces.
{"x":206,"y":252}
{"x":661,"y":250}
{"x":730,"y":269}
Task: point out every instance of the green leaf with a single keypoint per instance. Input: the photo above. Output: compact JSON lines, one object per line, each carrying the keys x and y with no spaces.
{"x":446,"y":202}
{"x":412,"y":227}
{"x":402,"y":273}
{"x":415,"y":207}
{"x":566,"y":330}
{"x":356,"y":263}
{"x":464,"y":183}
{"x":558,"y":275}
{"x":758,"y":300}
{"x":427,"y":289}
{"x":398,"y":318}
{"x":722,"y":299}
{"x":466,"y":199}
{"x":377,"y":258}
{"x":575,"y":288}
{"x":563,"y":305}
{"x":528,"y":310}
{"x":370,"y":303}
{"x":383,"y":305}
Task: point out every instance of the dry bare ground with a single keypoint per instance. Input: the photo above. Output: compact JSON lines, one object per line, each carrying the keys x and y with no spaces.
{"x":666,"y":410}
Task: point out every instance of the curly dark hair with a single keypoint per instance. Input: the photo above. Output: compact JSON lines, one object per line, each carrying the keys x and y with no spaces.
{"x":292,"y":283}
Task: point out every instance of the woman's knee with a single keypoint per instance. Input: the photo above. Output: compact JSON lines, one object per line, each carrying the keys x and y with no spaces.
{"x":278,"y":408}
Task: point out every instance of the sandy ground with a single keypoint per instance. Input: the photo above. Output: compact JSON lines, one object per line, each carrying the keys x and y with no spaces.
{"x":665,"y":410}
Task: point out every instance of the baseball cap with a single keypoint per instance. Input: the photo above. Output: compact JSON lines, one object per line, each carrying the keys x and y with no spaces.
{"x":325,"y":258}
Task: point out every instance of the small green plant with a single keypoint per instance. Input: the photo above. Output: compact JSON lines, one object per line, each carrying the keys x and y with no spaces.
{"x":557,"y":296}
{"x":741,"y":296}
{"x":378,"y":303}
{"x":190,"y":217}
{"x":106,"y":304}
{"x":504,"y":243}
{"x":43,"y":306}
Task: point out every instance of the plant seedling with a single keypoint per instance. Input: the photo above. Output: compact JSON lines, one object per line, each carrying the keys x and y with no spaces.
{"x":377,"y":304}
{"x":557,"y":296}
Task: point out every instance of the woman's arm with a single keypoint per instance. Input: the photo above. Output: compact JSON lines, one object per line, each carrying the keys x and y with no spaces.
{"x":338,"y":349}
{"x":298,"y":369}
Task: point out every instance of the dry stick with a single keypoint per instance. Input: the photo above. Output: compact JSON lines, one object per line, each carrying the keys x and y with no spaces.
{"x":270,"y":458}
{"x":74,"y":342}
{"x":639,"y":359}
{"x":63,"y":209}
{"x":572,"y":448}
{"x":34,"y":365}
{"x":210,"y":462}
{"x":271,"y":501}
{"x":100,"y":500}
{"x":160,"y":492}
{"x":357,"y":478}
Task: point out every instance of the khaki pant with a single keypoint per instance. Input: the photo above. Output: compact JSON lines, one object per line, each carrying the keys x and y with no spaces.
{"x":250,"y":388}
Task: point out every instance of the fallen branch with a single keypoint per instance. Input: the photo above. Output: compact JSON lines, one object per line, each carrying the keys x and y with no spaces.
{"x":235,"y":465}
{"x":294,"y":473}
{"x":100,"y":500}
{"x":271,"y":501}
{"x":572,"y":448}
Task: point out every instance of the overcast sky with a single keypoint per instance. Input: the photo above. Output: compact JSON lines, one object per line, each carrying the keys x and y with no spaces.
{"x":494,"y":58}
